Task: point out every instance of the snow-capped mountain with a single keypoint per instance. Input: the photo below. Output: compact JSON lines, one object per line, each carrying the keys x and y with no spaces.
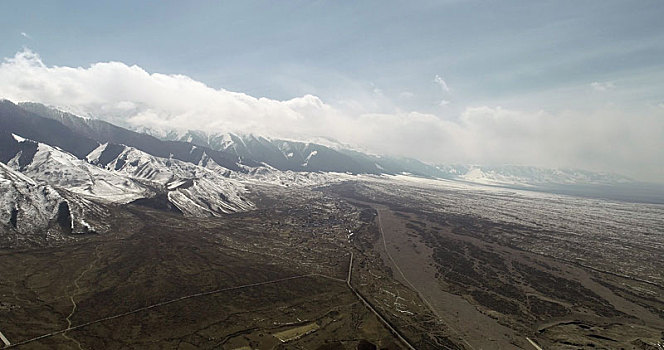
{"x":288,"y":155}
{"x":299,"y":156}
{"x":272,"y":176}
{"x":191,"y":182}
{"x":195,"y":189}
{"x":280,"y":154}
{"x":241,"y":152}
{"x":514,"y":175}
{"x":99,"y":132}
{"x":61,"y":169}
{"x":26,"y":205}
{"x":59,"y":172}
{"x":34,"y":213}
{"x":121,"y":174}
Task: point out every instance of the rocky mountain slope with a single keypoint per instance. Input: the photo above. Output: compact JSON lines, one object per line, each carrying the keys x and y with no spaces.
{"x":33,"y":212}
{"x":201,"y":189}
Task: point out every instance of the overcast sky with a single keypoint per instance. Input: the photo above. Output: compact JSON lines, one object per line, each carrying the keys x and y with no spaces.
{"x":546,"y":83}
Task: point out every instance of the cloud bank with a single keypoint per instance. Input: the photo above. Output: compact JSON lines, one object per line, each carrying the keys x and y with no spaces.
{"x":605,"y":140}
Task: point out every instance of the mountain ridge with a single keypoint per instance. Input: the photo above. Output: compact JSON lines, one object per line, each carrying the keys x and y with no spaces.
{"x":241,"y":152}
{"x":61,"y":174}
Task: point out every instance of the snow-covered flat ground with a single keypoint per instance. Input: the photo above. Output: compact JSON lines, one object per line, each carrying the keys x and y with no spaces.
{"x":621,"y":237}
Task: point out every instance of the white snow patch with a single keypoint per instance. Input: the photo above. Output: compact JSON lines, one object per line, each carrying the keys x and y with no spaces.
{"x":18,"y":138}
{"x":96,"y":153}
{"x":85,"y":223}
{"x":312,"y":154}
{"x":175,"y":184}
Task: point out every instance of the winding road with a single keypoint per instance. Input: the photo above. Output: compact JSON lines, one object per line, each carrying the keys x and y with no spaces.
{"x":76,"y":292}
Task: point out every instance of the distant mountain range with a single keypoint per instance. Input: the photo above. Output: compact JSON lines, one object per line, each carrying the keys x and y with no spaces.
{"x":241,"y":153}
{"x":235,"y":152}
{"x":57,"y":170}
{"x":306,"y":156}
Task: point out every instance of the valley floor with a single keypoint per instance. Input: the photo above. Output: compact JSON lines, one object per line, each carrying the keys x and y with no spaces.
{"x":430,"y":270}
{"x":170,"y":282}
{"x":492,"y":289}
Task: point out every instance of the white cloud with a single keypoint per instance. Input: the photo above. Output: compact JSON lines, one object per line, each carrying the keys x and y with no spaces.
{"x":445,"y":89}
{"x":602,"y":86}
{"x":629,"y":143}
{"x":443,"y":84}
{"x":25,"y":35}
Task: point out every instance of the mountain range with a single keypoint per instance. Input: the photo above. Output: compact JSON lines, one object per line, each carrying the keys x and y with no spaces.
{"x":61,"y":174}
{"x":238,"y":152}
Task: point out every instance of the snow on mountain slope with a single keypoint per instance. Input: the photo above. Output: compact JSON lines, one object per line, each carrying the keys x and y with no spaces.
{"x":284,"y":155}
{"x":32,"y":212}
{"x":270,"y":176}
{"x":24,"y":203}
{"x":476,"y":175}
{"x":238,"y":152}
{"x":62,"y":169}
{"x":99,"y":132}
{"x":529,"y":176}
{"x":330,"y":156}
{"x":197,"y":190}
{"x":306,"y":160}
{"x":122,"y":174}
